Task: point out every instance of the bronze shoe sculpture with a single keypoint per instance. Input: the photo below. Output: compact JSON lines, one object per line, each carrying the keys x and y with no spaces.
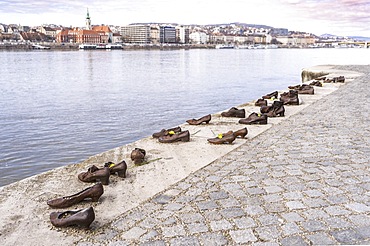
{"x":234,"y":112}
{"x":276,"y":109}
{"x":183,"y":136}
{"x":82,"y":218}
{"x":165,"y":132}
{"x":94,"y":193}
{"x":260,"y":102}
{"x":119,"y":168}
{"x":290,"y":98}
{"x":239,"y":133}
{"x":222,"y":139}
{"x":316,"y":83}
{"x":254,"y":119}
{"x":271,"y":95}
{"x":206,"y":119}
{"x":138,"y":155}
{"x":94,"y":173}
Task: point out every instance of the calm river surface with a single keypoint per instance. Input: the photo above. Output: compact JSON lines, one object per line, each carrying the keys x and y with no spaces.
{"x":60,"y":107}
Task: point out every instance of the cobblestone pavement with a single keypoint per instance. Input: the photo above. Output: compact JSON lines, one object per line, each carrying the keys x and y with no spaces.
{"x":305,"y":181}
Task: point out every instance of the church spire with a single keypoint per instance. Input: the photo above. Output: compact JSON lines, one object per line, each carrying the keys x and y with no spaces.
{"x":88,"y":20}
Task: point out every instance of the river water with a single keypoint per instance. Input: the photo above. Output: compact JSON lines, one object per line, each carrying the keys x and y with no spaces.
{"x":60,"y":107}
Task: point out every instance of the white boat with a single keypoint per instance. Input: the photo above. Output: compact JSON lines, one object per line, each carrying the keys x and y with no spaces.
{"x":87,"y":46}
{"x":224,"y":46}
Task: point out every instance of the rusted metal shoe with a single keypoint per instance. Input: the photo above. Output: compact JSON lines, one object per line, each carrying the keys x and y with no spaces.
{"x":290,"y":98}
{"x":82,"y":218}
{"x":119,"y":168}
{"x":205,"y":119}
{"x":138,"y":155}
{"x":254,"y":119}
{"x":92,"y":193}
{"x":94,"y":174}
{"x":260,"y":102}
{"x":183,"y":136}
{"x":165,"y":132}
{"x":223,"y":139}
{"x":234,"y":112}
{"x":271,"y":95}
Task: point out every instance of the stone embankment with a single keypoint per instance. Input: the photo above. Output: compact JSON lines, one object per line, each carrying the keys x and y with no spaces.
{"x":302,"y":179}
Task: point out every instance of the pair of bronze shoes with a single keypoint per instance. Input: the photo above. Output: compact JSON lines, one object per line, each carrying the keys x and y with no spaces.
{"x":166,"y":132}
{"x":138,"y":155}
{"x":94,"y":173}
{"x":234,"y":112}
{"x":339,"y":79}
{"x":183,"y":136}
{"x":254,"y":119}
{"x":290,"y":98}
{"x":83,"y":217}
{"x":228,"y":137}
{"x":276,"y":109}
{"x":303,"y":89}
{"x":316,"y":83}
{"x":205,"y":119}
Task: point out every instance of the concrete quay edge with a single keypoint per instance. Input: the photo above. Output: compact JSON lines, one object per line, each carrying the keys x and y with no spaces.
{"x":23,"y":208}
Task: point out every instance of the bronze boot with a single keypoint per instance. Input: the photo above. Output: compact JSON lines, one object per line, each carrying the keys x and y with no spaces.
{"x":206,"y":119}
{"x":254,"y":119}
{"x":241,"y":133}
{"x":82,"y":218}
{"x":93,"y":174}
{"x":277,"y":109}
{"x":260,"y":102}
{"x":180,"y":136}
{"x":234,"y":112}
{"x":119,"y":168}
{"x":137,"y":155}
{"x":94,"y":192}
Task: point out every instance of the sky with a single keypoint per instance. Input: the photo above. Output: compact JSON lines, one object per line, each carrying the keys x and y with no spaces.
{"x":337,"y":17}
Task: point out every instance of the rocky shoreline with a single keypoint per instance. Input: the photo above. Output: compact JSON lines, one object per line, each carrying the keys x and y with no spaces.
{"x":25,"y":215}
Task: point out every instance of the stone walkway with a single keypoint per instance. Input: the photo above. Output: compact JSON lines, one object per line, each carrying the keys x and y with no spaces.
{"x":302,"y":182}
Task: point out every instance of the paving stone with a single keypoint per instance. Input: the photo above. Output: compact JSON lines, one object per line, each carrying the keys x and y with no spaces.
{"x":184,"y":241}
{"x":358,"y":207}
{"x":189,"y":218}
{"x":268,"y":233}
{"x":290,"y":228}
{"x":313,"y":214}
{"x":212,"y":215}
{"x":254,"y":210}
{"x":272,"y":198}
{"x":313,"y":225}
{"x":219,"y":225}
{"x":162,"y":199}
{"x":276,"y":207}
{"x":337,"y":223}
{"x":215,"y":239}
{"x":245,"y":222}
{"x":134,"y":233}
{"x":265,"y":244}
{"x":218,"y":195}
{"x":243,"y":236}
{"x":269,"y":219}
{"x":273,"y":189}
{"x":293,"y":240}
{"x":174,"y":206}
{"x":232,"y":212}
{"x":292,"y":217}
{"x":149,"y":236}
{"x":229,"y":202}
{"x":364,"y":232}
{"x":294,"y":205}
{"x":347,"y":236}
{"x":321,"y":238}
{"x":173,"y":231}
{"x":197,"y":228}
{"x":336,"y":210}
{"x":360,"y":219}
{"x":208,"y":205}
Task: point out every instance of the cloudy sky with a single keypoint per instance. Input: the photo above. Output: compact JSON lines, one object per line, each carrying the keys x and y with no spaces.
{"x":339,"y":17}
